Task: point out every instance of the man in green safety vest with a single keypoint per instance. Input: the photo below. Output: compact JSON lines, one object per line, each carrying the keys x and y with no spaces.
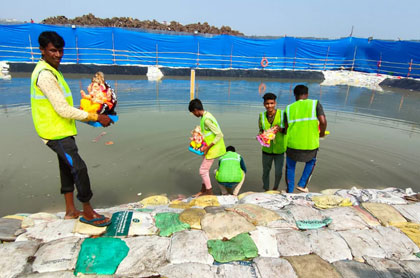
{"x":272,"y":118}
{"x":215,"y":145}
{"x":305,"y":122}
{"x":54,"y":118}
{"x":231,"y":172}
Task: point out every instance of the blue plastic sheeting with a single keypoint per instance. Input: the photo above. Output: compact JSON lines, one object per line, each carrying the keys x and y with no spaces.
{"x":118,"y":46}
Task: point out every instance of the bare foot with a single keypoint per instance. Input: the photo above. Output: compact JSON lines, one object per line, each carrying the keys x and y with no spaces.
{"x":198,"y":194}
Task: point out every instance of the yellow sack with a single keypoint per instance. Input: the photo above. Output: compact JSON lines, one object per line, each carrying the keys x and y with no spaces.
{"x":15,"y":216}
{"x":192,"y":216}
{"x":179,"y":204}
{"x":156,"y":200}
{"x":384,"y":213}
{"x":412,"y":230}
{"x":205,"y":201}
{"x":240,"y":196}
{"x":330,"y":191}
{"x":255,"y":214}
{"x":272,"y":192}
{"x":331,"y":201}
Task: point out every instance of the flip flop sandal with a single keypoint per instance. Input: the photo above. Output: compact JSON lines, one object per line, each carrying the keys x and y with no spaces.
{"x":94,"y":220}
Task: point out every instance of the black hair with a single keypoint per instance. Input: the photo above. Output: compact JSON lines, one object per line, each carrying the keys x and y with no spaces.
{"x":300,"y":90}
{"x":268,"y":96}
{"x":47,"y":37}
{"x":230,"y":149}
{"x":195,"y":104}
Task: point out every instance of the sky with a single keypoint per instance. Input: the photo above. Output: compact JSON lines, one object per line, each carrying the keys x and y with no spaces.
{"x":380,"y":19}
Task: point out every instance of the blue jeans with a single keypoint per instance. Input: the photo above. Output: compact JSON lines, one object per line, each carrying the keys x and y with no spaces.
{"x":290,"y":173}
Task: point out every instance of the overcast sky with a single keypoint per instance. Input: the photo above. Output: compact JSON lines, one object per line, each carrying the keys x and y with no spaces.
{"x":381,"y":19}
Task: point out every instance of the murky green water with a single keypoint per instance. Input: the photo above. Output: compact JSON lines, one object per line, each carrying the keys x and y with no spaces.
{"x":374,"y":141}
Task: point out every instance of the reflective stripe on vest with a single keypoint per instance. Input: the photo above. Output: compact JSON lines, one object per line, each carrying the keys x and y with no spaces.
{"x":279,"y":144}
{"x":219,"y":148}
{"x":48,"y":124}
{"x":230,"y":168}
{"x":302,"y":131}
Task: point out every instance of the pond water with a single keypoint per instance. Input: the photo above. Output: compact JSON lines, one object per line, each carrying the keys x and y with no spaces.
{"x":374,"y":140}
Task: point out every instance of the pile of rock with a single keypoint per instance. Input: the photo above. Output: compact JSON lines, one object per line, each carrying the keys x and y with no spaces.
{"x":91,"y":20}
{"x":335,"y":233}
{"x":353,"y":78}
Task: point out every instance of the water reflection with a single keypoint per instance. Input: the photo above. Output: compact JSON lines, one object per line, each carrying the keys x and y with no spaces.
{"x":374,"y":141}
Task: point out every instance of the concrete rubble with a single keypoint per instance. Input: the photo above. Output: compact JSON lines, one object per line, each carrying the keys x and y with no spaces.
{"x":364,"y":239}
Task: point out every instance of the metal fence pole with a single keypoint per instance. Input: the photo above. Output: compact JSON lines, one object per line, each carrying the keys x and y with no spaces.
{"x":326,"y":58}
{"x":30,"y":45}
{"x":409,"y":67}
{"x":354,"y":58}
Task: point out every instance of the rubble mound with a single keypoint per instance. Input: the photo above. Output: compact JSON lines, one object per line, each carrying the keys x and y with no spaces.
{"x":128,"y":22}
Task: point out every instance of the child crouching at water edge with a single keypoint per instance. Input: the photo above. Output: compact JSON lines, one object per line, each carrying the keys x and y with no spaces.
{"x":215,"y":145}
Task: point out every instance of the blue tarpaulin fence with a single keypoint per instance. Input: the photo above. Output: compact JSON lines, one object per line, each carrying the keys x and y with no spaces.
{"x":119,"y":46}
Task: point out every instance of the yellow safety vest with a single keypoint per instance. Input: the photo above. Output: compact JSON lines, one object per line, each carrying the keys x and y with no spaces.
{"x":219,"y":148}
{"x":279,"y":144}
{"x":48,"y":124}
{"x":302,"y":131}
{"x":230,"y":168}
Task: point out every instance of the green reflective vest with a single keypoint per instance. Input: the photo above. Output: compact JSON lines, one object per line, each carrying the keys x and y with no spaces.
{"x":279,"y":144}
{"x":302,"y":131}
{"x":219,"y":148}
{"x":48,"y":124}
{"x":230,"y":168}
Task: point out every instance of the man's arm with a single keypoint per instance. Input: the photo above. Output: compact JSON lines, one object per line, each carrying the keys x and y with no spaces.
{"x":322,"y":119}
{"x":286,"y":124}
{"x":243,"y":166}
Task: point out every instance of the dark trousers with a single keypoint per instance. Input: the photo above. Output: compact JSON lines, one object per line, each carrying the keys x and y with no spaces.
{"x":267,"y":162}
{"x":73,"y":170}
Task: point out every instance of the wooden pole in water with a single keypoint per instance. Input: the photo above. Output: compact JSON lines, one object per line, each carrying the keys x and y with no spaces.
{"x":192,"y":84}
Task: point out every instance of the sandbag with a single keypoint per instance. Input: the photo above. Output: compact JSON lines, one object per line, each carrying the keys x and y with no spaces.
{"x":411,"y":211}
{"x":353,"y":269}
{"x":179,"y":204}
{"x":268,"y":201}
{"x":255,"y":214}
{"x":412,"y":230}
{"x":225,"y":225}
{"x":227,"y":200}
{"x":8,"y":228}
{"x":302,"y":213}
{"x":395,"y":243}
{"x":236,"y":270}
{"x":14,"y":257}
{"x":300,"y":199}
{"x":100,"y":255}
{"x":55,"y":274}
{"x":86,"y":229}
{"x":240,"y":247}
{"x":329,"y":245}
{"x":48,"y":231}
{"x":384,"y":213}
{"x":387,"y":268}
{"x":366,"y":216}
{"x":344,"y":218}
{"x":192,"y":217}
{"x":286,"y":222}
{"x":188,"y":270}
{"x":57,"y":255}
{"x":330,"y":191}
{"x":292,"y":243}
{"x":412,"y":267}
{"x":145,"y":256}
{"x":214,"y":209}
{"x":240,"y":196}
{"x":331,"y":201}
{"x":142,"y":224}
{"x":362,"y":243}
{"x":312,"y":266}
{"x":156,"y":200}
{"x":189,"y":247}
{"x":273,"y":267}
{"x":169,"y":223}
{"x":313,"y":224}
{"x":205,"y":201}
{"x":266,"y":241}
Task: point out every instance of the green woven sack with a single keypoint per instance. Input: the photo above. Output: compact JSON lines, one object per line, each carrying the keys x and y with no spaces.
{"x":169,"y":223}
{"x":101,"y":256}
{"x":238,"y":248}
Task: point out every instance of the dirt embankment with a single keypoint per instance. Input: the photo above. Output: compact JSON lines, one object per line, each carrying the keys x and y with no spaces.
{"x":91,"y":20}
